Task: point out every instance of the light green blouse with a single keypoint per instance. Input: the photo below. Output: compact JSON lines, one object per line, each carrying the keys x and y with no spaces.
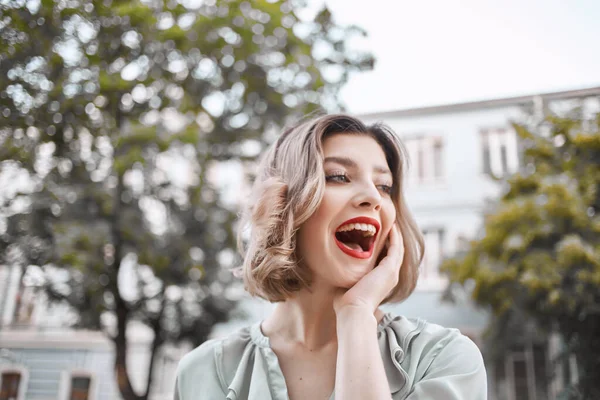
{"x":421,"y":360}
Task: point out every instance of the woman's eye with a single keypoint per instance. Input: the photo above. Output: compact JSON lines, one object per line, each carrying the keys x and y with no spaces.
{"x":386,"y":189}
{"x":336,"y":178}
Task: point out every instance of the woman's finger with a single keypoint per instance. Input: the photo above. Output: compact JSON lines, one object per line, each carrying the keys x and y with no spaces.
{"x":395,"y":252}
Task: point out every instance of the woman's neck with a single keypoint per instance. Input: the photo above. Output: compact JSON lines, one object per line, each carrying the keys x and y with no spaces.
{"x":306,"y":319}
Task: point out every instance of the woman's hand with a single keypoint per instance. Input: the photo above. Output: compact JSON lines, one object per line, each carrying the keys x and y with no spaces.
{"x":360,"y":371}
{"x":373,"y":288}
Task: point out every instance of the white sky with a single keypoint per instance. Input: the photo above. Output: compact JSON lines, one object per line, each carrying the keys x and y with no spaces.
{"x":441,"y":51}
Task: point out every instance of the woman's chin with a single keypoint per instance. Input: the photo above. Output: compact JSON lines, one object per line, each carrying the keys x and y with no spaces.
{"x":343,"y":278}
{"x":346,"y":285}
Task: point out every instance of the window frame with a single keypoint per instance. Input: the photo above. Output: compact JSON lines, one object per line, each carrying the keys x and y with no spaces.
{"x":430,"y":278}
{"x":67,"y":379}
{"x":538,"y":372}
{"x":499,"y":147}
{"x":23,"y":371}
{"x":426,"y":169}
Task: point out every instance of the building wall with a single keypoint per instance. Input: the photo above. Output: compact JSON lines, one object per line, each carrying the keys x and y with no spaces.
{"x":51,"y":358}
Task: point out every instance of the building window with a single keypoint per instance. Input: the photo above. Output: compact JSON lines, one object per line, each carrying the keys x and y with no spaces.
{"x":12,"y":383}
{"x":500,"y":151}
{"x":438,"y":160}
{"x":427,"y":159}
{"x":429,"y":275}
{"x":77,"y":385}
{"x":523,"y":373}
{"x":80,"y":387}
{"x":590,"y":109}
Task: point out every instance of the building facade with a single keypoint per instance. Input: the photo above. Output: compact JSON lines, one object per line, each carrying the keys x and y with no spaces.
{"x":454,"y":150}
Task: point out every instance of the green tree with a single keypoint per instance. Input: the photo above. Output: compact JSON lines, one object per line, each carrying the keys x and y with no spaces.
{"x":118,"y":111}
{"x":539,"y":257}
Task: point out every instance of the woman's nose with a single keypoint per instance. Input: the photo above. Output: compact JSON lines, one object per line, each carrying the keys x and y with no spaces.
{"x":368,"y":197}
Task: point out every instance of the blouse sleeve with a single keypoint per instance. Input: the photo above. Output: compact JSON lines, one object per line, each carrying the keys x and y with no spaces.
{"x":457,"y":372}
{"x":197,"y":372}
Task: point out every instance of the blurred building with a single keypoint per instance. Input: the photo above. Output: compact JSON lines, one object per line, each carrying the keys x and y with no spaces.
{"x":41,"y":359}
{"x":454,"y":150}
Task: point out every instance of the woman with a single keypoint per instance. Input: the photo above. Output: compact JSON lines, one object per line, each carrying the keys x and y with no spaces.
{"x":331,"y":240}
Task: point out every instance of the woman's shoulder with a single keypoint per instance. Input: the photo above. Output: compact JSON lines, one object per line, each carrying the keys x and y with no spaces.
{"x":213,"y":362}
{"x":213,"y":350}
{"x":422,"y":352}
{"x":420,"y":336}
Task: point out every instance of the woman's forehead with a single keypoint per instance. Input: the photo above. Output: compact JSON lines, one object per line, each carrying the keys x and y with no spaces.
{"x":356,"y":144}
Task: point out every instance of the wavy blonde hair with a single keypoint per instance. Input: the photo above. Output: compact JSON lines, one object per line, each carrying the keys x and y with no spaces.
{"x":288,"y":189}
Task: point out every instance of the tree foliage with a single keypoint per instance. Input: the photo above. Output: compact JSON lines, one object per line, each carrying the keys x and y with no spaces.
{"x":115,"y":115}
{"x":540,"y":253}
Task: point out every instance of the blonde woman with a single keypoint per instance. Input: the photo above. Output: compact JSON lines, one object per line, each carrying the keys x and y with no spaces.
{"x":331,"y":240}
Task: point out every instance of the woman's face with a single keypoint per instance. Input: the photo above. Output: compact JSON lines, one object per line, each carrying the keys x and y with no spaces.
{"x":342,"y":240}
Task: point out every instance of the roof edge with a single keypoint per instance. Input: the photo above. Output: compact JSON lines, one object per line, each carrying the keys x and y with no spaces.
{"x":490,"y":103}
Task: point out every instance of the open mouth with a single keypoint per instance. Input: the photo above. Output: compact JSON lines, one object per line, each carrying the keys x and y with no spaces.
{"x":357,"y":238}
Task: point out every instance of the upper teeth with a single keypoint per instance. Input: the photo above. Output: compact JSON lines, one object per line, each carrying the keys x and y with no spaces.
{"x":368,"y":229}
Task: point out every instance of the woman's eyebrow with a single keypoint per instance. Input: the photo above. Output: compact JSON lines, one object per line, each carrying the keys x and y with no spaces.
{"x":350,"y":163}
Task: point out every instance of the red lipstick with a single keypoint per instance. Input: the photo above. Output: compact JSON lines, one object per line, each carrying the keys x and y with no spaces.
{"x":361,"y":254}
